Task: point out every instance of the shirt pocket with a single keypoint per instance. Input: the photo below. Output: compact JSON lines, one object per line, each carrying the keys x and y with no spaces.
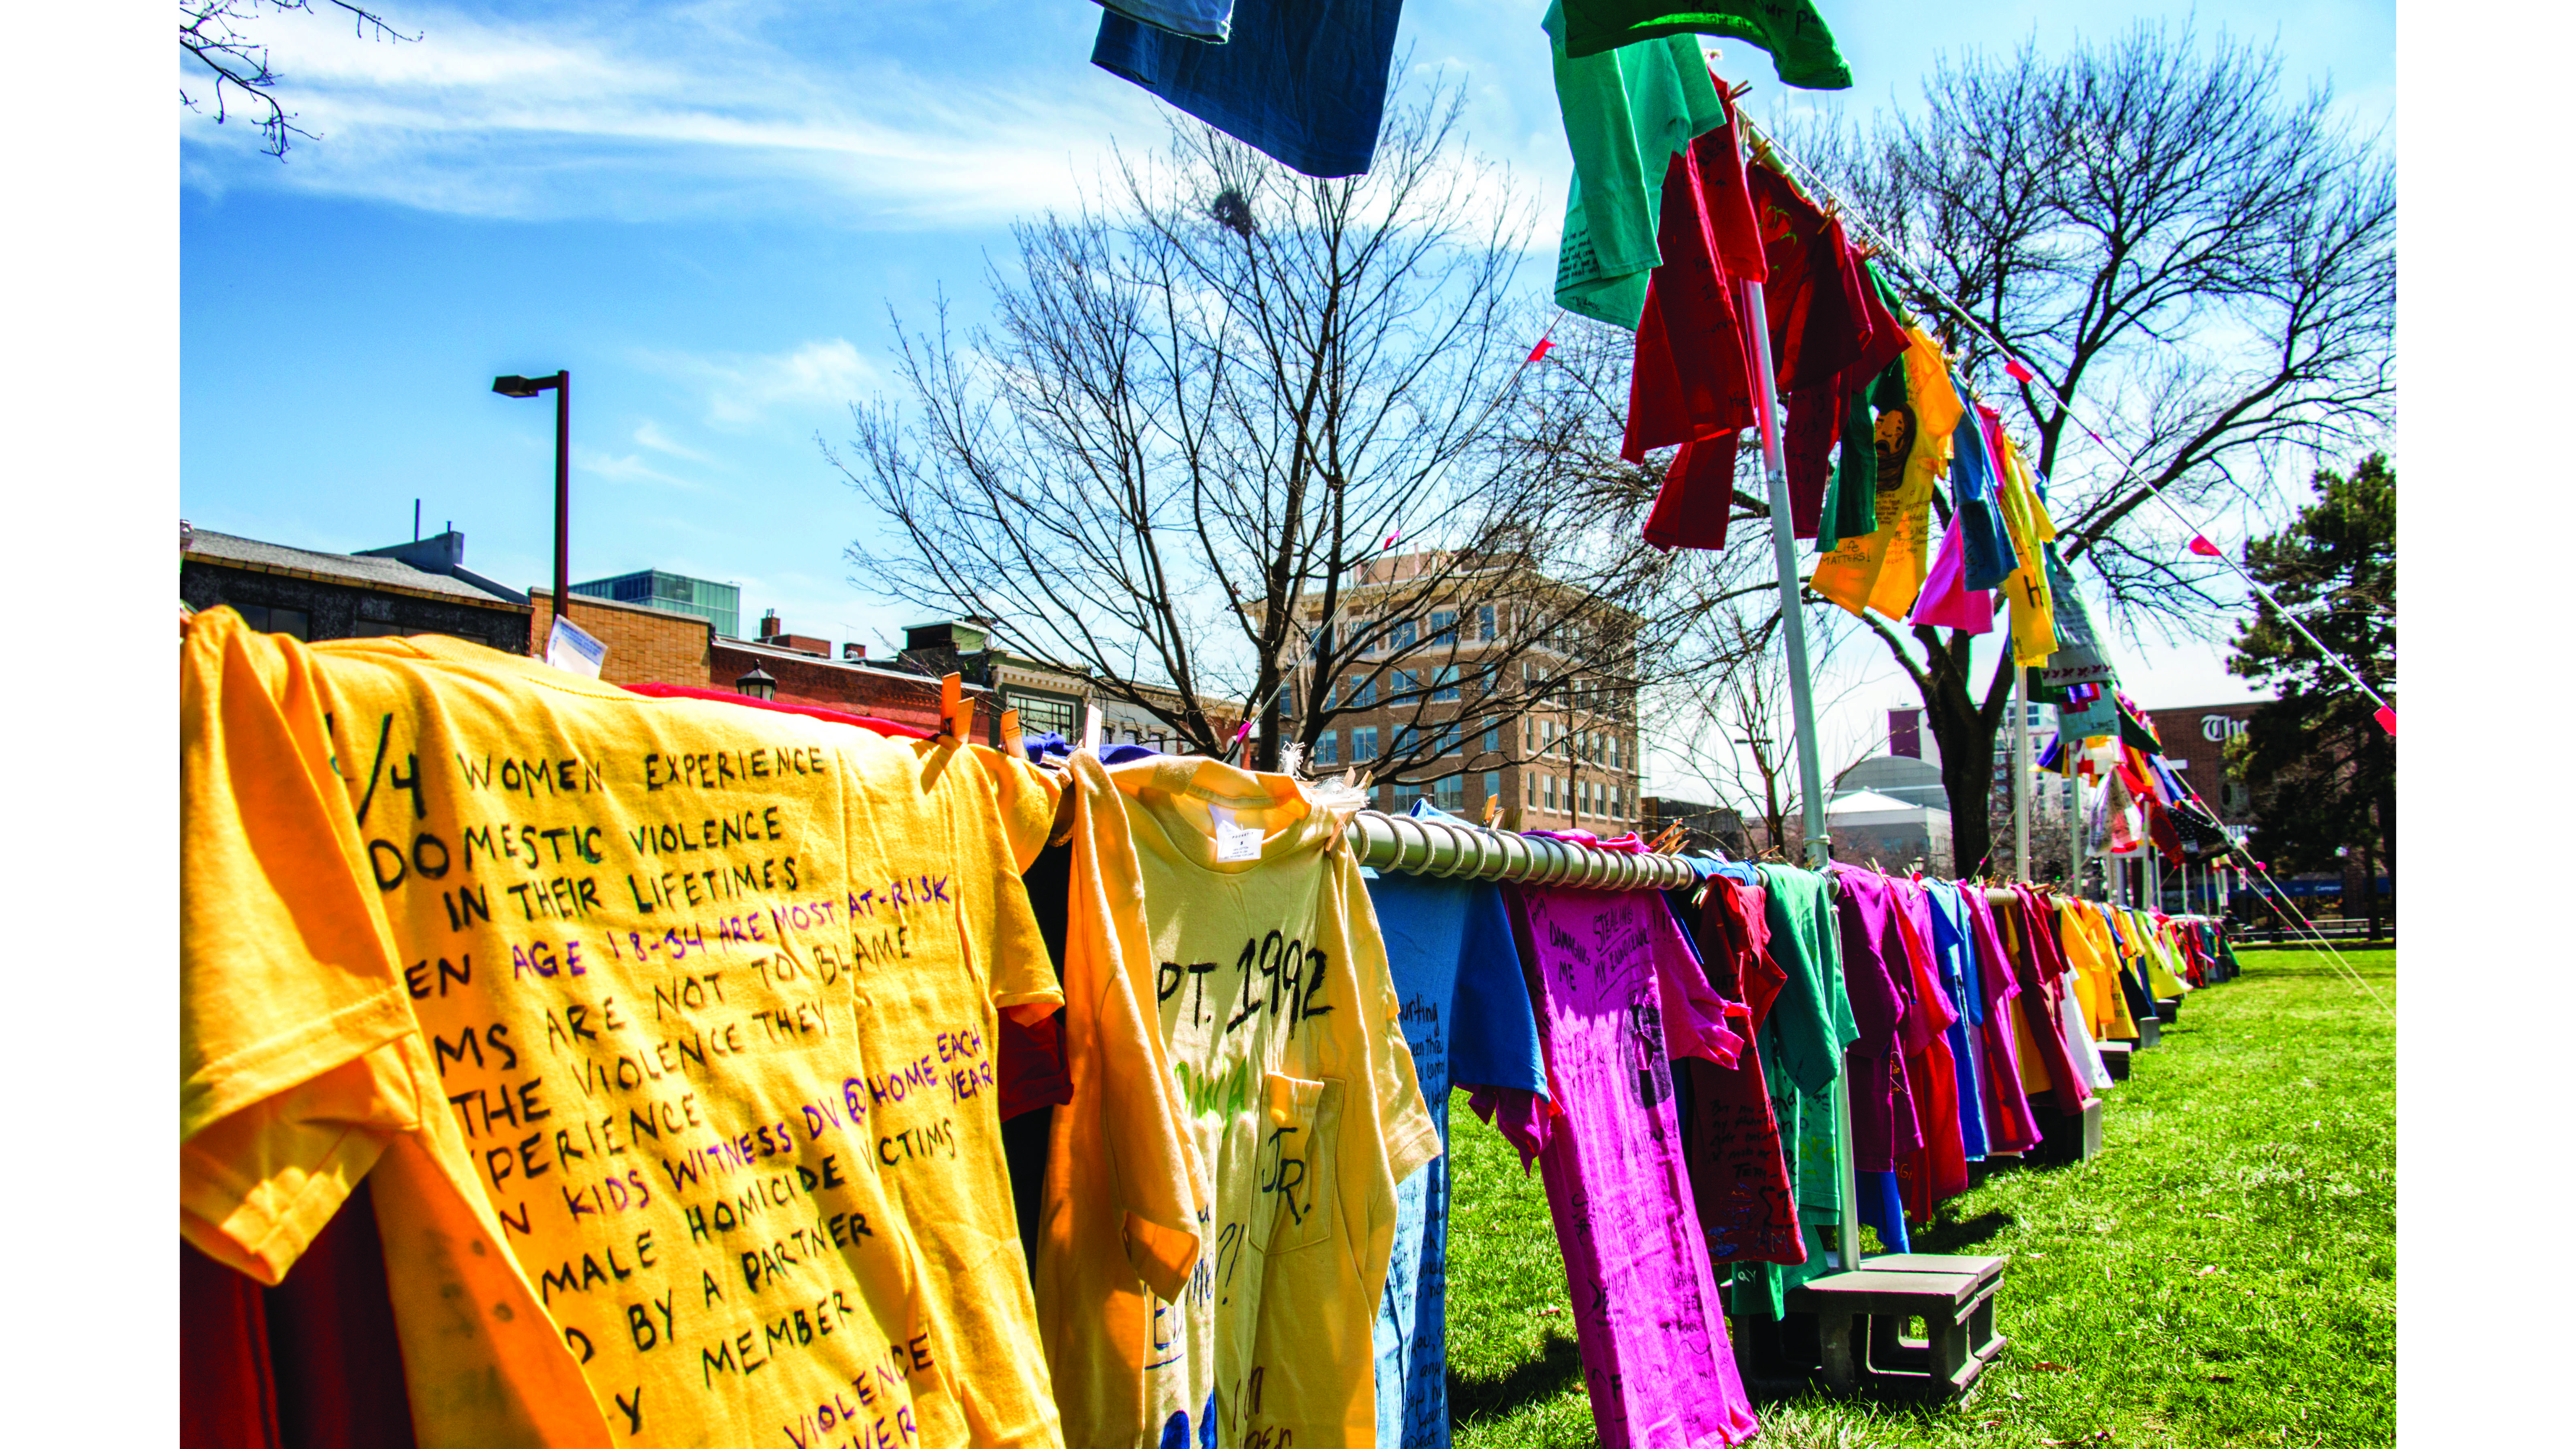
{"x":1301,"y":1128}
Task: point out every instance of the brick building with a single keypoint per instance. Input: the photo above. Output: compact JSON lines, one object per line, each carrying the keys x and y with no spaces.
{"x":2195,"y":738}
{"x":422,"y":587}
{"x":645,"y":645}
{"x":1570,"y":763}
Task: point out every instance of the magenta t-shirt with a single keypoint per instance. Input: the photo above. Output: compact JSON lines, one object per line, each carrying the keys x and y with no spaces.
{"x":1620,"y":994}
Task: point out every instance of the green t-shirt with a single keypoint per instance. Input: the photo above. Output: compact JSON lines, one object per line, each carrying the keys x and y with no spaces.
{"x":1626,"y":113}
{"x":1802,"y":1043}
{"x":1802,"y":48}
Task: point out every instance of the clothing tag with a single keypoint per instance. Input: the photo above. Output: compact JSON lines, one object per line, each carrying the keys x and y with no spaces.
{"x":1235,"y":841}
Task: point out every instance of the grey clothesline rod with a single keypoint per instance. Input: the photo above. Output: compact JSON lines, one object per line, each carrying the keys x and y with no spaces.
{"x":1459,"y":851}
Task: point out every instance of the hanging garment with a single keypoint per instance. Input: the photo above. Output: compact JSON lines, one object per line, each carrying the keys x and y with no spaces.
{"x":1830,"y":333}
{"x":1802,"y":1043}
{"x":1956,"y":964}
{"x":1692,"y":382}
{"x":1884,"y":570}
{"x":417,"y":883}
{"x":2046,"y":1042}
{"x":1938,"y":1170}
{"x":1947,"y":601}
{"x":1801,"y":47}
{"x":1467,"y":1020}
{"x":2010,"y":1124}
{"x":1280,"y":1030}
{"x":2086,"y":938}
{"x":1303,"y":81}
{"x":1619,"y":995}
{"x":1882,"y":1108}
{"x":1739,"y":1179}
{"x":1626,"y":113}
{"x":2033,"y":609}
{"x":1851,"y":493}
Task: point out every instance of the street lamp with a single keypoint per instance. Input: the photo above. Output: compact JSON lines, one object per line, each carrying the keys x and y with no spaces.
{"x":758,"y":684}
{"x":517,"y":386}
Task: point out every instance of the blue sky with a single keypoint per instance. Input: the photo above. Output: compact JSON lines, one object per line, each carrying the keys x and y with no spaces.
{"x":706,"y":210}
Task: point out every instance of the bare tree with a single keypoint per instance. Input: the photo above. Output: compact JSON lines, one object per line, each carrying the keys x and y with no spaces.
{"x":2204,"y":266}
{"x":1271,"y":443}
{"x":1729,"y":726}
{"x":216,"y":34}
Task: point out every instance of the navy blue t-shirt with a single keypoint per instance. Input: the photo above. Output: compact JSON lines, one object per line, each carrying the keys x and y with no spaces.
{"x":1302,"y":80}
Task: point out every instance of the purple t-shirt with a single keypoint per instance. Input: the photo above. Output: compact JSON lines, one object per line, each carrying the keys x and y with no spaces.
{"x":1619,"y":995}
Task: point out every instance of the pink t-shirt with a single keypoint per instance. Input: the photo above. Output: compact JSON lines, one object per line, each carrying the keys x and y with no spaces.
{"x":1620,"y":995}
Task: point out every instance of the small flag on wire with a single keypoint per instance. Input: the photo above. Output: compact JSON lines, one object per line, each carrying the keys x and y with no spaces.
{"x":1540,"y":351}
{"x":1390,"y":540}
{"x":2202,"y":546}
{"x":2387,"y":718}
{"x":2019,"y":370}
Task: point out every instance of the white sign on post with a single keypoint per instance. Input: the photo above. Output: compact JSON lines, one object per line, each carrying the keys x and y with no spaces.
{"x":569,"y":646}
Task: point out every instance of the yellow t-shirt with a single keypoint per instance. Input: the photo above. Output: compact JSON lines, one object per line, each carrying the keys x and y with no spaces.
{"x":666,"y":1026}
{"x":1281,"y":1037}
{"x":2090,"y":951}
{"x":1885,"y":570}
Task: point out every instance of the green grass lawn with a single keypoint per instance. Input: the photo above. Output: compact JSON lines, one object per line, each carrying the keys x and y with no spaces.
{"x":2223,"y":1274}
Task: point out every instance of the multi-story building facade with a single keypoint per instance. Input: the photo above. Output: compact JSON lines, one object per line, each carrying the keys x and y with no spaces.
{"x":719,"y":604}
{"x":1433,"y":724}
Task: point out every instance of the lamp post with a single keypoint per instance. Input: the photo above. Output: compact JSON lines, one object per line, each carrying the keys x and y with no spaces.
{"x":517,"y":386}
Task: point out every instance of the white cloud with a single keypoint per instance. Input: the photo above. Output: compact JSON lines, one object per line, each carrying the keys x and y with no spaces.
{"x":629,"y":468}
{"x":652,"y":115}
{"x":740,"y":389}
{"x":649,"y":434}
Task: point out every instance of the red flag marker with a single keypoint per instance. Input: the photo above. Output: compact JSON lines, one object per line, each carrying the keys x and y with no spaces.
{"x":2205,"y":548}
{"x":1540,"y":351}
{"x":2015,"y":366}
{"x":2387,"y":718}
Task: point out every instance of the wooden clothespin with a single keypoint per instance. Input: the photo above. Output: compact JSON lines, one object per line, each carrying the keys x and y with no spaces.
{"x":1011,"y":734}
{"x":1091,"y":726}
{"x":1493,"y":810}
{"x":956,"y":711}
{"x":1739,"y":90}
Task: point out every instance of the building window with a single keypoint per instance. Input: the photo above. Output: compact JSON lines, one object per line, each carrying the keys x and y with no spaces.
{"x":1485,"y":622}
{"x":1406,"y":737}
{"x":1444,"y":626}
{"x":1399,"y":636}
{"x":1453,"y":794}
{"x":1363,"y":691}
{"x":1288,"y":697}
{"x":1446,"y":740}
{"x":1444,"y":682}
{"x":1493,"y":739}
{"x":1363,"y":744}
{"x":1551,"y":793}
{"x":1328,"y":748}
{"x":1529,"y":791}
{"x":1402,"y":684}
{"x":293,"y":623}
{"x":1493,"y":784}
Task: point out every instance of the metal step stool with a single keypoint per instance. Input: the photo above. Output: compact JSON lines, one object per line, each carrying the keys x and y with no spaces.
{"x":2151,"y":1031}
{"x":1861,"y":1318}
{"x":2169,"y":1009}
{"x":2115,"y":1059}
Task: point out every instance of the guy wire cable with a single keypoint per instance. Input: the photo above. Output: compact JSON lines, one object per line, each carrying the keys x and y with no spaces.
{"x":1887,"y":249}
{"x":2283,"y":899}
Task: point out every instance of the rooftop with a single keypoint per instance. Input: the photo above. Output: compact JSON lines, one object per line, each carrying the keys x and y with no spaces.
{"x":362,"y":570}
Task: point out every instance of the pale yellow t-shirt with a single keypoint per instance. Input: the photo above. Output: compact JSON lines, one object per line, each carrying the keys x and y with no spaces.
{"x":1281,"y":1037}
{"x":666,"y":1026}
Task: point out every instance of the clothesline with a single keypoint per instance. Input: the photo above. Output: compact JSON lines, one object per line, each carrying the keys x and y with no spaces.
{"x":2029,"y":377}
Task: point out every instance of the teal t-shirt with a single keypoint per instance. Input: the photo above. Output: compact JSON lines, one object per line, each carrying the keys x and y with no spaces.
{"x":1802,"y":48}
{"x":1802,"y":1043}
{"x":1627,"y":112}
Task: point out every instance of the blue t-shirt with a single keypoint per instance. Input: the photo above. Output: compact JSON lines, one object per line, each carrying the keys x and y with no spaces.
{"x":1959,"y":978}
{"x":1303,"y":80}
{"x":1467,"y":1017}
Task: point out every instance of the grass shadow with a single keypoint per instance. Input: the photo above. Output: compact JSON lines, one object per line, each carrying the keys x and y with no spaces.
{"x":1952,"y":1235}
{"x":1558,"y":1366}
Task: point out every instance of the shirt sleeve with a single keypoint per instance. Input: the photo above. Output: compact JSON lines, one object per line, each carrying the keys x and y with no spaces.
{"x":1495,"y":1038}
{"x":1026,"y":798}
{"x":292,"y":1078}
